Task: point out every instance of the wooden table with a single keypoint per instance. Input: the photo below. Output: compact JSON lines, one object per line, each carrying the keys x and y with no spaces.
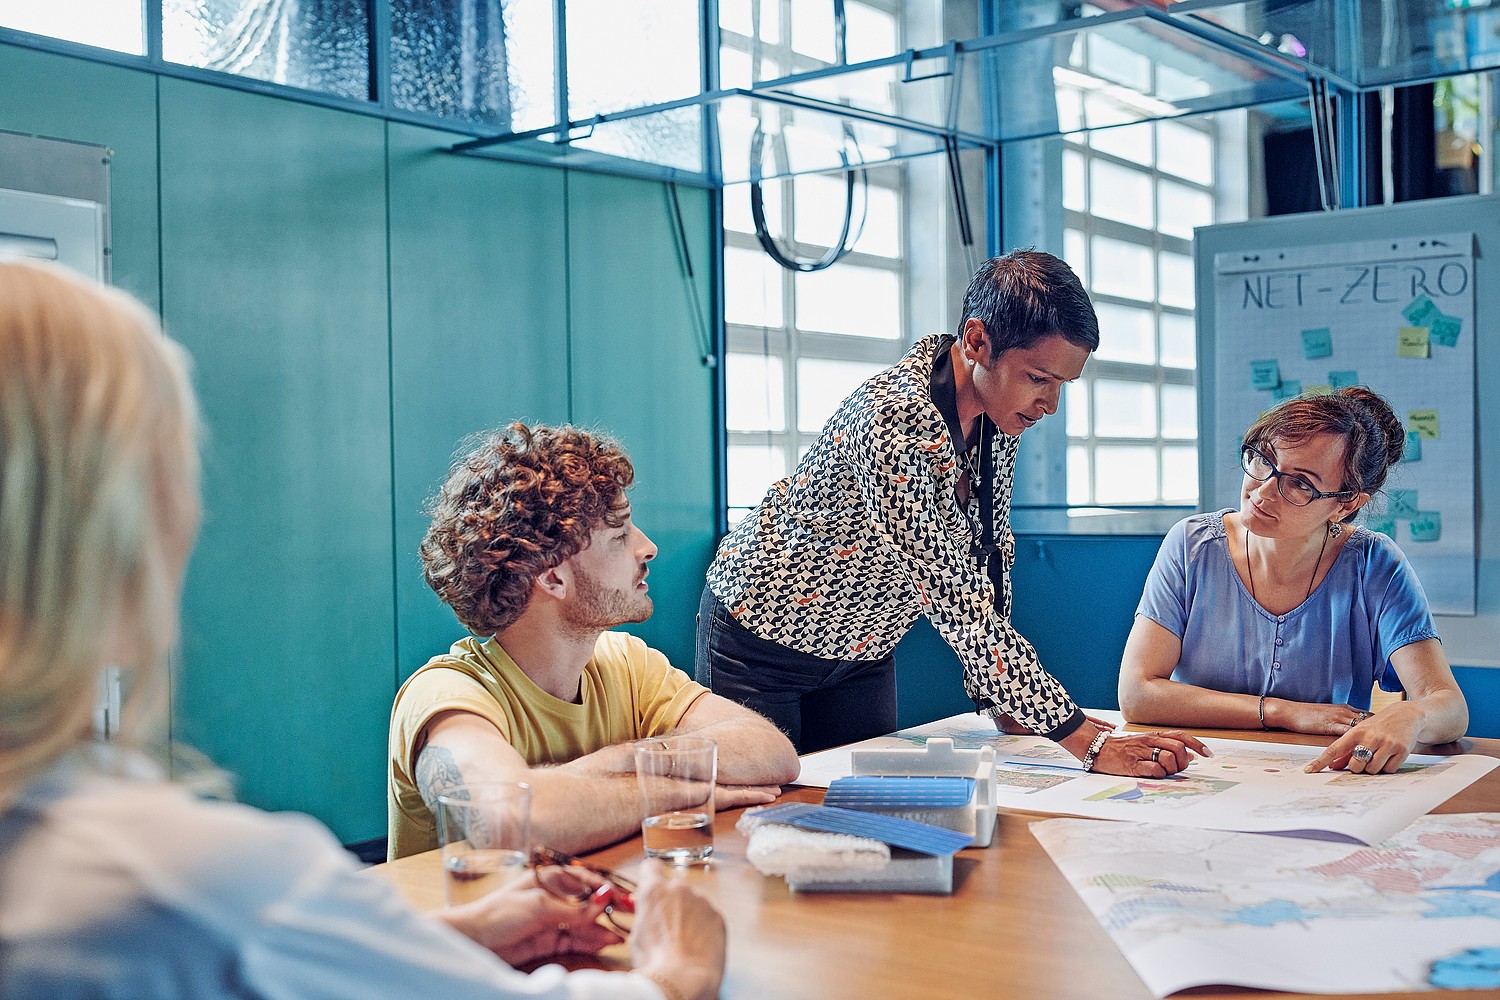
{"x":1012,"y":928}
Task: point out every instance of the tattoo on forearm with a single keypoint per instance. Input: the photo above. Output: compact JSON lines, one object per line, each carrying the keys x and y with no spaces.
{"x":437,"y":772}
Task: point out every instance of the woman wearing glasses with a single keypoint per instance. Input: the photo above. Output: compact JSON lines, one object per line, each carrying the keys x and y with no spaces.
{"x":1284,"y":614}
{"x":115,"y":882}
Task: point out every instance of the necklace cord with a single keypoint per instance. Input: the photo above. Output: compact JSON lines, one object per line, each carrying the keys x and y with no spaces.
{"x":1250,"y":566}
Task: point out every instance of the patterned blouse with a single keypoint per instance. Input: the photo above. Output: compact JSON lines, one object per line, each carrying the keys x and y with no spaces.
{"x":840,"y":559}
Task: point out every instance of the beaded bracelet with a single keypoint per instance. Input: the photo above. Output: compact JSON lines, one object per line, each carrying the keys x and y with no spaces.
{"x":1094,"y":748}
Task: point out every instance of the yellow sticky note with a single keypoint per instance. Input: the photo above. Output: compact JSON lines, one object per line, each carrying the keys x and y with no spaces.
{"x":1424,"y":423}
{"x":1413,"y":342}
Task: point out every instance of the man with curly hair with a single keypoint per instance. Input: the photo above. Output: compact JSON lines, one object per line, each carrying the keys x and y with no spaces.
{"x":532,"y":546}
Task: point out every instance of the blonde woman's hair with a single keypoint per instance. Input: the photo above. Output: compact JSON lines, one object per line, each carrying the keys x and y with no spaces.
{"x":98,"y":508}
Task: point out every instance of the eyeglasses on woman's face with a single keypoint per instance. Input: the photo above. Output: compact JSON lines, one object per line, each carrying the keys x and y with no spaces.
{"x":576,"y":881}
{"x":1294,"y":489}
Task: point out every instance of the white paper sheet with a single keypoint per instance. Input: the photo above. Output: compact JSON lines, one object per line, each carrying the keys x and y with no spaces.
{"x":1246,"y":786}
{"x":1195,"y":907}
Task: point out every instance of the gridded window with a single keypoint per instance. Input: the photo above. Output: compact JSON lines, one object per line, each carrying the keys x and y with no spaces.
{"x":109,"y":24}
{"x":321,"y":45}
{"x":1132,"y":196}
{"x":798,"y":343}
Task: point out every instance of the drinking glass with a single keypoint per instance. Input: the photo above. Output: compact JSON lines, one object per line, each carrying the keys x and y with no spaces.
{"x":484,"y":830}
{"x":676,"y":777}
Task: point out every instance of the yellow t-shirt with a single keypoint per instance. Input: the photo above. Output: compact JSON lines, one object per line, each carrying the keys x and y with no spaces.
{"x":628,"y":692}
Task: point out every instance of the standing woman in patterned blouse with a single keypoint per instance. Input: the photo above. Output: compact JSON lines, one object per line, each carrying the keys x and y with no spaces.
{"x":1284,"y":614}
{"x":901,"y":509}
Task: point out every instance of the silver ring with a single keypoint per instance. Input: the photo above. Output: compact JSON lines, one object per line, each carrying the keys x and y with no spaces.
{"x":1363,"y":753}
{"x":1155,"y":755}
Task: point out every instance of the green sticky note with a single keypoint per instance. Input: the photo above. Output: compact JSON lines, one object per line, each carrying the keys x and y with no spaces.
{"x":1413,"y":452}
{"x":1288,"y":389}
{"x":1418,"y":310}
{"x":1426,"y":526}
{"x":1424,"y":422}
{"x":1401,"y":504}
{"x":1385,"y":525}
{"x":1343,"y":380}
{"x":1265,"y":374}
{"x":1445,"y":330}
{"x":1412,"y":342}
{"x":1317,"y":343}
{"x":1317,"y":390}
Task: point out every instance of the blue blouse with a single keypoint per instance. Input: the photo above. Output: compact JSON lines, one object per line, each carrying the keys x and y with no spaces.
{"x":1332,"y":648}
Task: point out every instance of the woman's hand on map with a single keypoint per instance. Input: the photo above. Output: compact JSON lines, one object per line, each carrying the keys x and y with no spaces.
{"x":1388,"y":736}
{"x":1148,"y":755}
{"x":1309,"y":717}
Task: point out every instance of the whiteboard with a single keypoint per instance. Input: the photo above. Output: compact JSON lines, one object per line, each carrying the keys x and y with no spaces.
{"x":1469,"y":640}
{"x":1396,"y":315}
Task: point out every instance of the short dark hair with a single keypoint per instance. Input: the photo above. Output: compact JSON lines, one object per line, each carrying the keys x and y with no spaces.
{"x":1026,"y":295}
{"x":519,"y":502}
{"x":1374,"y":438}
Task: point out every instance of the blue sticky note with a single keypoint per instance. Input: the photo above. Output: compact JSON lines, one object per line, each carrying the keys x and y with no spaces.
{"x":1401,"y":504}
{"x":1265,"y":374}
{"x":1413,"y":452}
{"x":1288,"y":389}
{"x":1317,"y":343}
{"x":1343,"y":380}
{"x":1385,"y":525}
{"x":1444,"y":330}
{"x":1426,"y":526}
{"x":1418,"y":310}
{"x":933,"y":841}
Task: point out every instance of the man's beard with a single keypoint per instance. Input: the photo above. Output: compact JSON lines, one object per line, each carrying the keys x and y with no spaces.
{"x":597,"y":607}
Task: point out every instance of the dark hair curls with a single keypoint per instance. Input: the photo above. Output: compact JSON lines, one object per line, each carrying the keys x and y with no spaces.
{"x":519,"y":502}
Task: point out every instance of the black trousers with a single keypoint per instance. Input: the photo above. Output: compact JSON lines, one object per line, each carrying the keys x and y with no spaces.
{"x":817,"y":702}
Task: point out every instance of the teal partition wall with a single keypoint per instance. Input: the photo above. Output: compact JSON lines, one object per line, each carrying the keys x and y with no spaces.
{"x":638,"y":373}
{"x":479,"y":334}
{"x":273,"y":238}
{"x":357,"y":301}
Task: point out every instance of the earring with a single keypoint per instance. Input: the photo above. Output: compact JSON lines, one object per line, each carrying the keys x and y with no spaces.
{"x":1335,"y":529}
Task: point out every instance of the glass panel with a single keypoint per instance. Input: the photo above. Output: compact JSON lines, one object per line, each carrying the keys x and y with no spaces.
{"x":1121,"y":194}
{"x":734,"y":68}
{"x":1076,"y":408}
{"x":1179,"y":343}
{"x":1124,"y":473}
{"x":1179,"y":412}
{"x":1074,"y":193}
{"x":484,"y":62}
{"x":1176,"y":280}
{"x":882,"y":232}
{"x":847,"y":298}
{"x":1124,"y":269}
{"x":1117,"y":64}
{"x":1128,"y":142}
{"x":739,"y":16}
{"x":1179,"y":474}
{"x":1126,"y":334}
{"x":1124,"y":409}
{"x":752,"y":288}
{"x":868,"y":33}
{"x":822,"y":384}
{"x":754,"y":397}
{"x":1186,"y":152}
{"x":812,"y":30}
{"x":1078,"y":474}
{"x":751,"y":469}
{"x":737,"y":217}
{"x":109,"y":24}
{"x":1182,"y":209}
{"x":1076,"y":254}
{"x":323,"y":46}
{"x":624,"y":55}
